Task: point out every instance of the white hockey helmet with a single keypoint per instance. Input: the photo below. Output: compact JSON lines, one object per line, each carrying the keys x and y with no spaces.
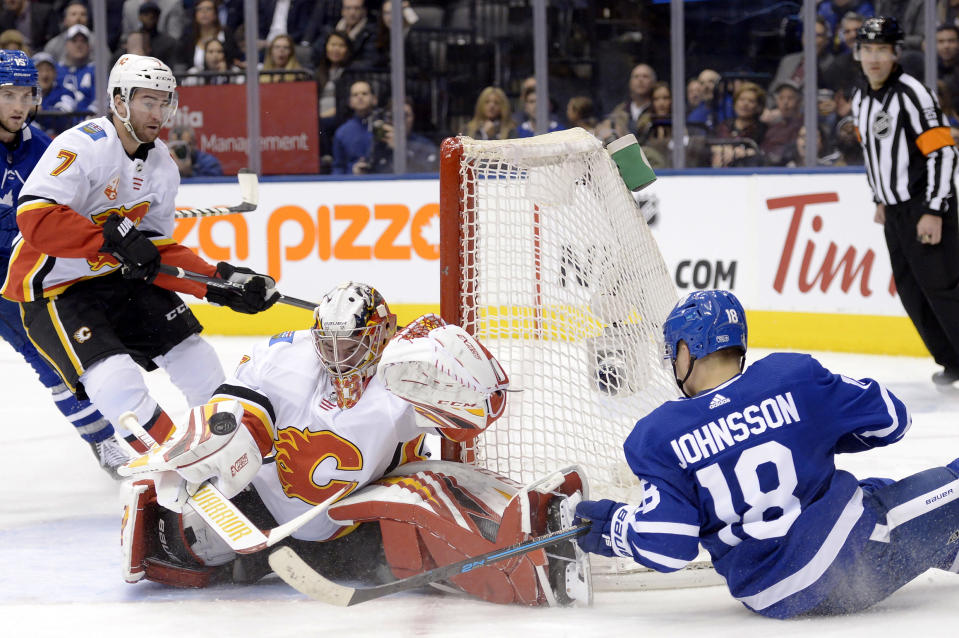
{"x":140,"y":72}
{"x":352,"y":326}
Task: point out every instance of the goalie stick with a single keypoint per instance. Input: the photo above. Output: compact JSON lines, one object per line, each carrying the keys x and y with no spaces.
{"x":180,"y":273}
{"x":303,"y":578}
{"x":249,"y":198}
{"x":223,"y":516}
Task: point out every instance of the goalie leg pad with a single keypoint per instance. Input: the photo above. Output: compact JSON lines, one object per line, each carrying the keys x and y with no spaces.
{"x":166,"y":547}
{"x":435,"y":513}
{"x":139,"y":514}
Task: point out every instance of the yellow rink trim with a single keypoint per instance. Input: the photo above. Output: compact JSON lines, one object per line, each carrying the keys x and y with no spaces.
{"x":871,"y":334}
{"x":767,"y":329}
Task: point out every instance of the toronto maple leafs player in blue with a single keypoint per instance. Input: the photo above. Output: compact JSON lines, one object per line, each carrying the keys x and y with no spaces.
{"x":22,"y":146}
{"x":745,"y":465}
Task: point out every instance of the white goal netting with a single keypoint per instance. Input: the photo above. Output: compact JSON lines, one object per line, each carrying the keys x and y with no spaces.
{"x":547,"y":259}
{"x":561,"y":279}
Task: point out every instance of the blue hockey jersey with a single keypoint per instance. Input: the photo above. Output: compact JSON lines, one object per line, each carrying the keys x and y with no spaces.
{"x":17,"y":165}
{"x":748,"y":470}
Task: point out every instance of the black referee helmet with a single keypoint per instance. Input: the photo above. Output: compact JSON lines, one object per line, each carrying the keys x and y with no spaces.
{"x":881,"y":31}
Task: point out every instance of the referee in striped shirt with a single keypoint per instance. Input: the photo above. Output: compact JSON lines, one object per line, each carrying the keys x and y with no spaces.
{"x":910,"y":160}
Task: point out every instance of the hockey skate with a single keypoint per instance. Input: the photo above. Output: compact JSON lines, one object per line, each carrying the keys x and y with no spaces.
{"x":945,"y":380}
{"x":569,"y":567}
{"x":110,"y":454}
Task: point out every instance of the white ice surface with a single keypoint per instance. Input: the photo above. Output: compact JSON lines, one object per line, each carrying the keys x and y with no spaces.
{"x":60,"y":557}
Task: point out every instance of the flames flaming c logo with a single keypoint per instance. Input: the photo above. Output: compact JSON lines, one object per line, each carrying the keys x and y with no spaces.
{"x":299,"y":452}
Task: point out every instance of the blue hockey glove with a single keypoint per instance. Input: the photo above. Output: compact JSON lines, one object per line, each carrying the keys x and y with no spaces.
{"x":597,"y":539}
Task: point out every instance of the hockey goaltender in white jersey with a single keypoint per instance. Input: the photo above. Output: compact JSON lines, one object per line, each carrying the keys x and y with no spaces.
{"x":337,"y":415}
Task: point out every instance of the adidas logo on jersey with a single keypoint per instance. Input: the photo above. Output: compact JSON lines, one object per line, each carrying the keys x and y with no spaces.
{"x":717,"y":401}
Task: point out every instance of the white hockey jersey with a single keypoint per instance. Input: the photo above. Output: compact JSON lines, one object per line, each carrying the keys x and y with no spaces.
{"x":290,"y":406}
{"x":84,"y":176}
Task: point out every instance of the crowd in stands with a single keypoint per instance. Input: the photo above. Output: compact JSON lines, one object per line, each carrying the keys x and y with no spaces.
{"x":747,"y":116}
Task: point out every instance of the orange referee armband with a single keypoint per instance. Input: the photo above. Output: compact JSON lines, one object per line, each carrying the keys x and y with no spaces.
{"x":934,"y":139}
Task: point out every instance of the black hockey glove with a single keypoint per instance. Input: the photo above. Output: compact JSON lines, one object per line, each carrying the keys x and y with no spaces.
{"x":257,"y":293}
{"x":137,"y":254}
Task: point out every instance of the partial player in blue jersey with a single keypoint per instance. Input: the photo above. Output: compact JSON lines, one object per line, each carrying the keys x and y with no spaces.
{"x":23,"y":144}
{"x":745,"y":465}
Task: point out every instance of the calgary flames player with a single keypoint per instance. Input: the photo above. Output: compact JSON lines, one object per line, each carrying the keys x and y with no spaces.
{"x":96,"y":216}
{"x":339,"y":413}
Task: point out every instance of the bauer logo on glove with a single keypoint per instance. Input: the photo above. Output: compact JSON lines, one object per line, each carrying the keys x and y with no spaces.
{"x":450,"y":378}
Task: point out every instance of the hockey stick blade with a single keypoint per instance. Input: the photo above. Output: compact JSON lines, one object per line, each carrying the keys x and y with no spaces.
{"x":180,"y":273}
{"x":249,"y":187}
{"x":249,"y":199}
{"x":303,"y":578}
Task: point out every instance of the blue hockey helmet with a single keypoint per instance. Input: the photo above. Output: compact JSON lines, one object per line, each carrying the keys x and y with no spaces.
{"x":707,"y":321}
{"x":17,"y":69}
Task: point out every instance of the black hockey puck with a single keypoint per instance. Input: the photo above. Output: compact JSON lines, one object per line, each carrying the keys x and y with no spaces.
{"x":609,"y":378}
{"x":222,"y":423}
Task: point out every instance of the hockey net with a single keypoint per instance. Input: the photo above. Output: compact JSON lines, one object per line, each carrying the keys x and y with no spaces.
{"x":546,"y":258}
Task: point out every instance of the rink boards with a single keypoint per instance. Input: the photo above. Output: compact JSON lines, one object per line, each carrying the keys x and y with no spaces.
{"x":800,"y":249}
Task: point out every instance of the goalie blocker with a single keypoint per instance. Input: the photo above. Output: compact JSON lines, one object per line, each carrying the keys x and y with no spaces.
{"x":427,"y":514}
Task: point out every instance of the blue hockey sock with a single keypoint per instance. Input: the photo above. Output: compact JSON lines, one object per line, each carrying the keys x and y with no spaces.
{"x":82,"y":415}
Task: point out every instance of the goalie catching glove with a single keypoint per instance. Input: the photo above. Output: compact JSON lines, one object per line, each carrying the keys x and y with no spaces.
{"x":137,"y":255}
{"x":258,"y":292}
{"x":451,"y":379}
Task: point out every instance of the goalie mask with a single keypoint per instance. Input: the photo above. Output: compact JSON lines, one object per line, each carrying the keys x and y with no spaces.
{"x":352,"y":326}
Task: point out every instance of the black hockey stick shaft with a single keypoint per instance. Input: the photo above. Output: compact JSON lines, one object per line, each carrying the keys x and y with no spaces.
{"x":297,"y":573}
{"x":180,"y":273}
